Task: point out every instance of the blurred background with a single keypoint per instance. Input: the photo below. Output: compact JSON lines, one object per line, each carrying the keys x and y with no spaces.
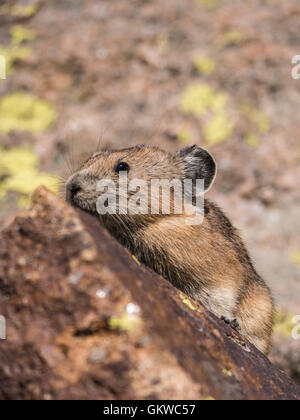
{"x":167,"y":73}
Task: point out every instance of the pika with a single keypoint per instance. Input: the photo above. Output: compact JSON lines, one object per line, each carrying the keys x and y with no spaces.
{"x":208,"y":262}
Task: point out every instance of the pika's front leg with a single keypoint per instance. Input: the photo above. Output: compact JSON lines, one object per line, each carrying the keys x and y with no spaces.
{"x":234,"y":323}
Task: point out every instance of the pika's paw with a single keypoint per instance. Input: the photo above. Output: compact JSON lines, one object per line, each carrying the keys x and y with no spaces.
{"x":234,"y":323}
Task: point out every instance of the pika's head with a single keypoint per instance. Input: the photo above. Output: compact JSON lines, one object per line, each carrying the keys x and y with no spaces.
{"x":138,"y":163}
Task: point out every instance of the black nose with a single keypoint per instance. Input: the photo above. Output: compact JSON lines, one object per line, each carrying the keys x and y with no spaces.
{"x":72,"y":189}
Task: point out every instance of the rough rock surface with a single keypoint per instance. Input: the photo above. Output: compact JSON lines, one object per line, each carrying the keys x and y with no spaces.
{"x":119,"y":75}
{"x":86,"y":321}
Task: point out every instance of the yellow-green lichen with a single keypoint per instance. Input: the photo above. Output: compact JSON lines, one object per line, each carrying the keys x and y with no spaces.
{"x":124,"y":322}
{"x":205,"y":66}
{"x":202,"y":101}
{"x":12,"y":54}
{"x":21,"y":34}
{"x":209,"y":4}
{"x":218,"y":129}
{"x":18,"y":10}
{"x":200,"y":98}
{"x":227,"y":373}
{"x":19,"y":173}
{"x":294,"y":257}
{"x":283,"y":324}
{"x":24,"y":112}
{"x":253,"y":140}
{"x":232,"y":37}
{"x":136,"y":260}
{"x":187,"y":301}
{"x":15,"y":51}
{"x":257,"y":117}
{"x":24,"y":11}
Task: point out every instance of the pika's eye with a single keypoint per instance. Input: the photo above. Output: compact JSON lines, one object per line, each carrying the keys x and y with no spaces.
{"x":122,"y":167}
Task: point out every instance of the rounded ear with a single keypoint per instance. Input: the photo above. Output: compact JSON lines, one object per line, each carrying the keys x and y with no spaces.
{"x":198,"y":164}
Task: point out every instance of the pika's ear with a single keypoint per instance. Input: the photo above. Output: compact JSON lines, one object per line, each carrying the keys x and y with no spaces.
{"x":198,"y":164}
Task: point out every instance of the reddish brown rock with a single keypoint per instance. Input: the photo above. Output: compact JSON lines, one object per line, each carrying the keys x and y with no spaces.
{"x":86,"y":321}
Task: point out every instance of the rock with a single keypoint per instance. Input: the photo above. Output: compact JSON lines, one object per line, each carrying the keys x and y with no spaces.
{"x":86,"y":321}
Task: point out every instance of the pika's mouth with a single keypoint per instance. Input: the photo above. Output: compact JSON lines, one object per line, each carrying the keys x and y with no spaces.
{"x":79,"y":198}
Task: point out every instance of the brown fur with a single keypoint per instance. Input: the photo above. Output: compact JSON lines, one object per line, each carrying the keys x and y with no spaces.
{"x":208,"y":262}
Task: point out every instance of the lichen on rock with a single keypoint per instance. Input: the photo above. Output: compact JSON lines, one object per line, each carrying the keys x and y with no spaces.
{"x":205,"y":103}
{"x":24,"y":112}
{"x":209,"y":4}
{"x":19,"y":173}
{"x":283,"y":323}
{"x":205,"y":66}
{"x":19,"y":10}
{"x":16,"y":50}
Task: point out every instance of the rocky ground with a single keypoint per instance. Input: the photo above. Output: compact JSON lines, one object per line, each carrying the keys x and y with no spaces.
{"x":212,"y":72}
{"x":85,"y":320}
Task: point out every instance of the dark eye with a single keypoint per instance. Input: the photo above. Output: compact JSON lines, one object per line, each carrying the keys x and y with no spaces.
{"x":122,"y":167}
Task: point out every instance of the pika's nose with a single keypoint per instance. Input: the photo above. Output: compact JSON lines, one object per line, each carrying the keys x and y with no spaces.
{"x":72,"y":189}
